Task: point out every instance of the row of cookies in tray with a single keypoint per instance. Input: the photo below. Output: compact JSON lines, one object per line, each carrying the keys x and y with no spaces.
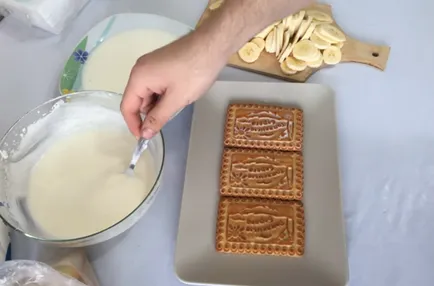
{"x":261,"y":181}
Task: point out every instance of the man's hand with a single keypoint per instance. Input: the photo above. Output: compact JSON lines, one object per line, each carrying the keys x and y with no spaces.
{"x":179,"y":72}
{"x":184,"y":70}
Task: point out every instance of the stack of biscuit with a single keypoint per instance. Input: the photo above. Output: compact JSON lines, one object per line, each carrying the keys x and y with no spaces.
{"x":261,"y":182}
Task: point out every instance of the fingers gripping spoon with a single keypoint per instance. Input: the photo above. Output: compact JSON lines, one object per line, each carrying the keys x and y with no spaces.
{"x":142,"y":145}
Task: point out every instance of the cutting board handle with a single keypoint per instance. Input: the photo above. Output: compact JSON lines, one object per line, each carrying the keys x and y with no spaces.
{"x":360,"y":52}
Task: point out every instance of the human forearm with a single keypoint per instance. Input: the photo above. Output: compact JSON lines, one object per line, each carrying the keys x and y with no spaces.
{"x":238,"y":20}
{"x":183,"y":71}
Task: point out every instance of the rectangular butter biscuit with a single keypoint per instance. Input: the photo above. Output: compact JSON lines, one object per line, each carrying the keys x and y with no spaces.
{"x":263,"y":126}
{"x":260,"y":226}
{"x":261,"y":174}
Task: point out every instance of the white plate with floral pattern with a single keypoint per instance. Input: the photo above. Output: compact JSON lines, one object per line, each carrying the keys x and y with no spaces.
{"x":71,"y":77}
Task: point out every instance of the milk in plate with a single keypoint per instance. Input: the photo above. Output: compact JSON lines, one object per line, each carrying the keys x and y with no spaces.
{"x":109,"y":65}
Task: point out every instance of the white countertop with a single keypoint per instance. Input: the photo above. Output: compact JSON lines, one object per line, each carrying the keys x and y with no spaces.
{"x":386,"y":140}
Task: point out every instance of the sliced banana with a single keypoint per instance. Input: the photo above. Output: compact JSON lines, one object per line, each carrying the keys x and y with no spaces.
{"x":319,"y":16}
{"x":316,"y":57}
{"x":286,"y":38}
{"x":276,"y":41}
{"x":286,"y":53}
{"x":304,"y":27}
{"x":216,"y":4}
{"x":317,"y":63}
{"x":270,"y":43}
{"x":331,"y":32}
{"x":296,"y":41}
{"x":287,"y":21}
{"x":309,"y":31}
{"x":286,"y":70}
{"x":332,"y":55}
{"x":296,"y":21}
{"x":318,"y":42}
{"x":280,"y":30}
{"x":249,"y":53}
{"x":264,"y":33}
{"x":277,"y":23}
{"x":302,"y":30}
{"x":290,"y":24}
{"x":295,"y":64}
{"x":339,"y":45}
{"x":324,"y":38}
{"x":259,"y":42}
{"x":305,"y":51}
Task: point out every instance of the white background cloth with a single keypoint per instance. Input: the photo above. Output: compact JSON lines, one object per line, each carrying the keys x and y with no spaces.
{"x":386,"y":139}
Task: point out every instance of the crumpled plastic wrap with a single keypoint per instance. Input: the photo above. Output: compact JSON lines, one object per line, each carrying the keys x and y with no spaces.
{"x":49,"y":15}
{"x":32,"y":273}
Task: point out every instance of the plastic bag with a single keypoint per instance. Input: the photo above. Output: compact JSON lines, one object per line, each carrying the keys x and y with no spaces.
{"x":74,"y":263}
{"x":49,"y":15}
{"x":32,"y":273}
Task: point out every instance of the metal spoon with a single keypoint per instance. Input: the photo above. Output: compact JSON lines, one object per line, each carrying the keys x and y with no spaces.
{"x":142,"y":145}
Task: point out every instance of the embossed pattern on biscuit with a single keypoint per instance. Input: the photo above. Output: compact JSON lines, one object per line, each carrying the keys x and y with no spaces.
{"x":262,"y":174}
{"x":260,"y":226}
{"x":264,"y":127}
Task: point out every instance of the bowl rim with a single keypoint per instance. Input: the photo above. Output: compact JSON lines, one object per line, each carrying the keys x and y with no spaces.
{"x":79,"y":239}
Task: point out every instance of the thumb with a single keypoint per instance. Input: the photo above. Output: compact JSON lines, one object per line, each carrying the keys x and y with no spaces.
{"x":158,"y":116}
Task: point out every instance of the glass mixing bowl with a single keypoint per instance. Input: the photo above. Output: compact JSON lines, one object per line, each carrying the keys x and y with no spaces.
{"x":18,"y":155}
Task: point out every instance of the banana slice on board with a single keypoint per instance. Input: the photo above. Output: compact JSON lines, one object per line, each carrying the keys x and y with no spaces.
{"x":316,"y":57}
{"x":259,"y":42}
{"x":277,"y":23}
{"x":302,"y":30}
{"x":289,"y":25}
{"x":328,"y":31}
{"x":280,"y":30}
{"x":296,"y":21}
{"x":286,"y":70}
{"x":249,"y":53}
{"x":339,"y":45}
{"x":294,"y":64}
{"x":287,"y":21}
{"x":319,"y":16}
{"x":324,"y":38}
{"x":318,"y":42}
{"x":332,"y":55}
{"x":286,"y":53}
{"x":270,"y":43}
{"x":305,"y":51}
{"x":216,"y":4}
{"x":286,"y":38}
{"x":317,"y":63}
{"x":309,"y":31}
{"x":264,"y":33}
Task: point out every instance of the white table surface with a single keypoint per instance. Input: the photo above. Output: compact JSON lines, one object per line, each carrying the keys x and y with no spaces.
{"x":386,"y":140}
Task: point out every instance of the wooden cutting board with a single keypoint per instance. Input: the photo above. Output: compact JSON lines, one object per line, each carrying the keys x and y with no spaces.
{"x":353,"y":51}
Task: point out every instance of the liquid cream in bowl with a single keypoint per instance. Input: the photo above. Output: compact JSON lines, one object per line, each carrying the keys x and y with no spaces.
{"x":79,"y":188}
{"x":62,"y":171}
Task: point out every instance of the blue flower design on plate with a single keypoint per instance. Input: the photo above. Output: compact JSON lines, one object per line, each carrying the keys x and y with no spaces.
{"x":81,"y":56}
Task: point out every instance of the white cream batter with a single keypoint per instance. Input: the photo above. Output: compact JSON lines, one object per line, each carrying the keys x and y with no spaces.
{"x":78,"y":186}
{"x":109,"y":66}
